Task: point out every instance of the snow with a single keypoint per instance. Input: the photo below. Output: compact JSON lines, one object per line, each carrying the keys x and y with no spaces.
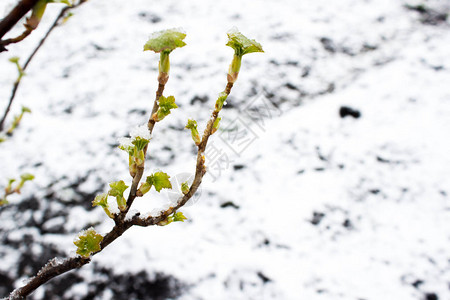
{"x":307,"y":205}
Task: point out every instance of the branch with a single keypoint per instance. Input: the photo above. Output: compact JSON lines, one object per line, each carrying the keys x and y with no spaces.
{"x":17,"y":13}
{"x":55,"y":24}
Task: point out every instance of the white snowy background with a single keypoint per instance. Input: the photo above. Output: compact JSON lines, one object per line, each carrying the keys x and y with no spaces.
{"x":309,"y":204}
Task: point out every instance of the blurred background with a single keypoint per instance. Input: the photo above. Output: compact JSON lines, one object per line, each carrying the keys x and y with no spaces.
{"x":329,"y":178}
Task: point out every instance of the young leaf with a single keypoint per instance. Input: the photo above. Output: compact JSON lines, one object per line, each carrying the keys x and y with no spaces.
{"x":179,"y":217}
{"x":165,"y":40}
{"x":88,"y":242}
{"x":241,"y":44}
{"x":140,"y":143}
{"x":192,"y":125}
{"x":165,"y":105}
{"x":101,"y":200}
{"x":160,"y":180}
{"x":117,"y":188}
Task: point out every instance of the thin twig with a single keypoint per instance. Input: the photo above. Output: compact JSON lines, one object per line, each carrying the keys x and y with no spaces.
{"x":55,"y":24}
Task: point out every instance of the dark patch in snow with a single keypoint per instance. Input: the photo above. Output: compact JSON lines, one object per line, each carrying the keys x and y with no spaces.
{"x":238,"y":167}
{"x":137,"y":111}
{"x":6,"y":284}
{"x":431,"y":296}
{"x":348,"y":224}
{"x":229,"y":204}
{"x":263,"y":277}
{"x":201,"y":99}
{"x":317,"y":218}
{"x":346,"y":111}
{"x":328,"y":44}
{"x":149,"y":17}
{"x":428,"y":15}
{"x":417,"y":283}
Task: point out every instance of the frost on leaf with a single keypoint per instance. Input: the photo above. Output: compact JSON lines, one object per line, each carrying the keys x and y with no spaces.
{"x":160,"y":180}
{"x":241,"y":44}
{"x":101,"y":200}
{"x":165,"y":40}
{"x":88,"y":242}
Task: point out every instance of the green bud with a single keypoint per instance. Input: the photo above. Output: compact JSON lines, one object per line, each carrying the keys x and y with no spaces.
{"x":221,"y":100}
{"x":216,"y":125}
{"x":185,"y":188}
{"x":192,"y":125}
{"x":143,"y":189}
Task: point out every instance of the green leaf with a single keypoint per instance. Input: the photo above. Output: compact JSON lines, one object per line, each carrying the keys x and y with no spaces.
{"x":117,"y":188}
{"x":165,"y":40}
{"x":101,"y":200}
{"x":241,"y":44}
{"x":14,"y":59}
{"x":26,"y":177}
{"x":165,"y":105}
{"x":88,"y":242}
{"x":179,"y":217}
{"x":160,"y":180}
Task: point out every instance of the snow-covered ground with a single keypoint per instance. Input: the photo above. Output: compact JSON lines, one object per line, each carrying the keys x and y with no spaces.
{"x":330,"y":180}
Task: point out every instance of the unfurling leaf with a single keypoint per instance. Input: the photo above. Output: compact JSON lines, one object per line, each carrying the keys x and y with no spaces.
{"x":88,"y":242}
{"x":117,"y":190}
{"x":192,"y":125}
{"x":179,"y":217}
{"x":241,"y":44}
{"x":165,"y":105}
{"x":102,"y":201}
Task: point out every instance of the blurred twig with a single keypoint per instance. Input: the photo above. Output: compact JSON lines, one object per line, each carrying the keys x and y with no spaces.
{"x":55,"y":24}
